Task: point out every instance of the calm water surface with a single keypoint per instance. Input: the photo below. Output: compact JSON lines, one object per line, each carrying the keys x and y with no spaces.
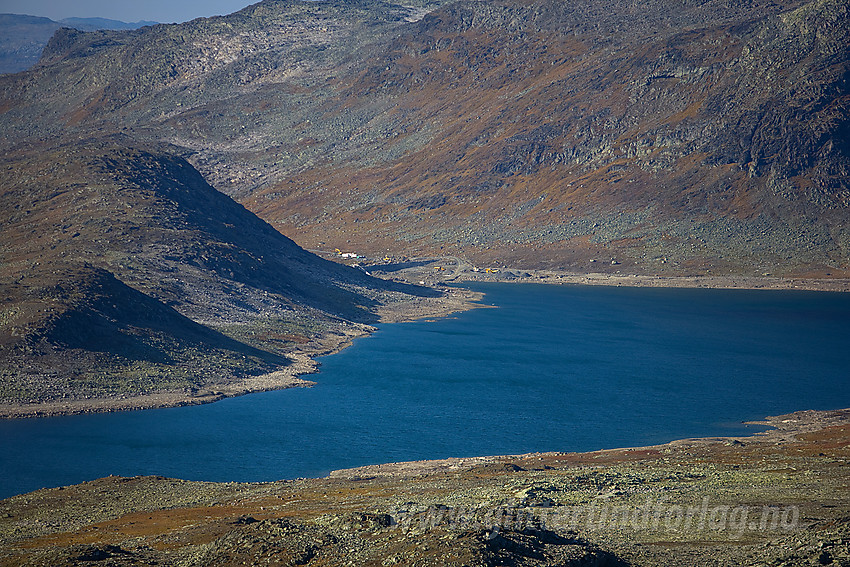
{"x":551,"y":369}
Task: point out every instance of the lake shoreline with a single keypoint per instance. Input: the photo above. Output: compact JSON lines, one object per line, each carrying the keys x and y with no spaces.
{"x":302,"y":363}
{"x":451,"y":269}
{"x":691,"y":282}
{"x":781,"y":429}
{"x":452,"y":300}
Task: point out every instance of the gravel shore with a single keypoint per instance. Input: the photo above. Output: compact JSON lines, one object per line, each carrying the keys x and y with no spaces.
{"x":453,"y":269}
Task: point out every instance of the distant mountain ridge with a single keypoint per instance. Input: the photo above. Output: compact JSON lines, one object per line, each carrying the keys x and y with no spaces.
{"x":92,"y":24}
{"x":22,"y":37}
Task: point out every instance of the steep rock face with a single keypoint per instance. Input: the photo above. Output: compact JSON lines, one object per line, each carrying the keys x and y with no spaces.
{"x":680,"y":138}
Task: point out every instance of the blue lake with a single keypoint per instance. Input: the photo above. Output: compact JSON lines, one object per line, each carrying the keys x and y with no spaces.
{"x":553,"y":368}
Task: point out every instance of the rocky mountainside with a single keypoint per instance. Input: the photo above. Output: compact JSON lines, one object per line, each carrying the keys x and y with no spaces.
{"x":92,"y":24}
{"x":673,"y":138}
{"x":125,"y":273}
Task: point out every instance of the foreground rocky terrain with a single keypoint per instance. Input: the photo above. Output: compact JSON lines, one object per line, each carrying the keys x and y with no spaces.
{"x":778,"y":498}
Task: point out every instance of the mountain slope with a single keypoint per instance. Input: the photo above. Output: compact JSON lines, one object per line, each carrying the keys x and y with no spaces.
{"x":680,"y":138}
{"x":124,"y":272}
{"x":713,"y":141}
{"x":91,"y":24}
